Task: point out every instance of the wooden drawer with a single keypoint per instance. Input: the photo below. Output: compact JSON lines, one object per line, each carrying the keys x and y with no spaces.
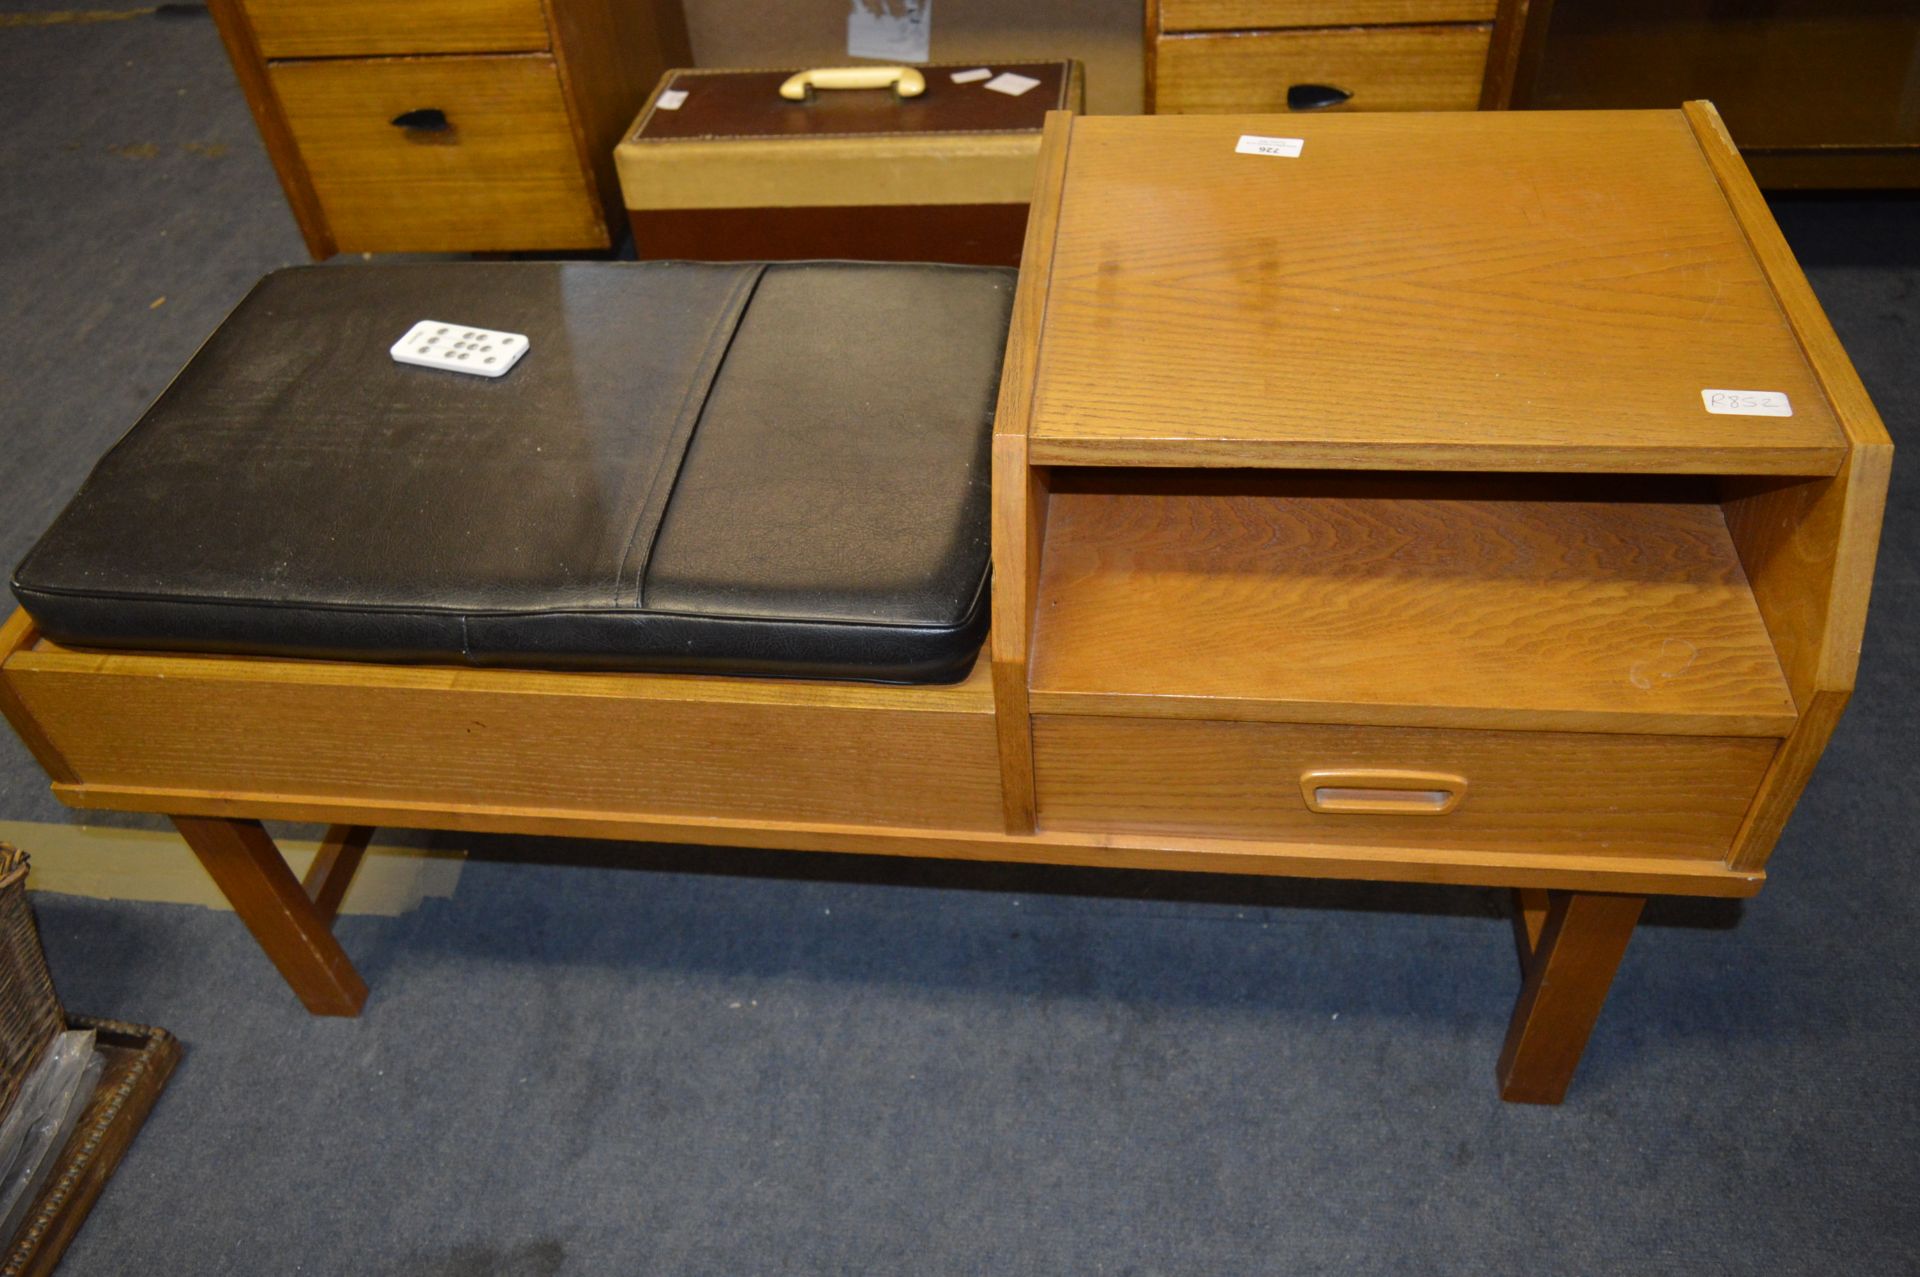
{"x":1436,"y":68}
{"x":1577,"y":793}
{"x":504,"y":173}
{"x":344,"y":28}
{"x":1248,"y":15}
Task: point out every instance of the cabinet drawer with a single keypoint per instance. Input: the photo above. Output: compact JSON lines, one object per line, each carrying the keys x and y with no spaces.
{"x":343,"y":28}
{"x":1593,"y":794}
{"x":1381,"y":68}
{"x":499,"y":172}
{"x":1247,"y":15}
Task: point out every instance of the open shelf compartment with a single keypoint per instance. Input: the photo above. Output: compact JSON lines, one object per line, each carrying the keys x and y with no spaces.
{"x":1519,"y":602}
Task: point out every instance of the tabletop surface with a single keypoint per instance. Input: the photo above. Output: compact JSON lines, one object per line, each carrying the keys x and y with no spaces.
{"x":1531,"y":291}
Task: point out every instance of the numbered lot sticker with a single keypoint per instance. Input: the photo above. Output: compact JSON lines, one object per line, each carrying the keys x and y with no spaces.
{"x":1284,"y":147}
{"x":1747,"y":403}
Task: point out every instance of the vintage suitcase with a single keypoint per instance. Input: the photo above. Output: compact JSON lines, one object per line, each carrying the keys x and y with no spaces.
{"x":904,"y":164}
{"x":737,"y":469}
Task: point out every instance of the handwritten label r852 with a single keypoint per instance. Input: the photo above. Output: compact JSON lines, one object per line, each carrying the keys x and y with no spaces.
{"x":1747,"y":403}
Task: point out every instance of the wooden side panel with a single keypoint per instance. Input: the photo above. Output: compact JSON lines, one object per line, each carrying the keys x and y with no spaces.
{"x":1019,"y":492}
{"x":1808,"y":547}
{"x":1503,"y":53}
{"x":610,"y":53}
{"x":250,"y":68}
{"x":1150,"y":43}
{"x":1523,"y":791}
{"x":1019,"y":532}
{"x":635,"y":744}
{"x":18,"y":635}
{"x":1391,"y":69}
{"x":504,"y":172}
{"x":1814,"y":544}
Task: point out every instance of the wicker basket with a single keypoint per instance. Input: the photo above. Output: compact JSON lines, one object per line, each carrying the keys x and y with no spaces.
{"x":30,"y":1012}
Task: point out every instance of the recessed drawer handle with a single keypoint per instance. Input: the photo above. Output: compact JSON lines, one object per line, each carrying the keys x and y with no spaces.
{"x":1382,"y":792}
{"x":427,"y":124}
{"x":1314,"y":97}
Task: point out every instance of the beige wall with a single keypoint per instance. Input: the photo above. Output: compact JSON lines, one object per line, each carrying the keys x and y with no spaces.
{"x":1103,"y":34}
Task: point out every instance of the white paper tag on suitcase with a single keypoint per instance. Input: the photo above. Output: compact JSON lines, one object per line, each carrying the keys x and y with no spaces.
{"x":1746,"y":403}
{"x":1012,"y":85}
{"x":1284,"y":147}
{"x":672,"y":100}
{"x":459,"y":348}
{"x":973,"y":76}
{"x":890,"y":30}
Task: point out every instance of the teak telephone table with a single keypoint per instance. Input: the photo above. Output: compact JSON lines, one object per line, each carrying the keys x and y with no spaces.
{"x":1358,"y":512}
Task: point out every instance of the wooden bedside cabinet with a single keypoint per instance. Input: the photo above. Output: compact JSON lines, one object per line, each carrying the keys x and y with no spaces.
{"x":1328,"y":55}
{"x":487,"y":125}
{"x":1410,"y":505}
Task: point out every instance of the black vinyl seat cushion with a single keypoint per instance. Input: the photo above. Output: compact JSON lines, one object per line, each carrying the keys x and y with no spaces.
{"x":771,"y":470}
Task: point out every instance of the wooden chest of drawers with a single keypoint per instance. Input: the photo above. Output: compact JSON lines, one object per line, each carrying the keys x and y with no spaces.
{"x":486,"y":125}
{"x":1327,"y":55}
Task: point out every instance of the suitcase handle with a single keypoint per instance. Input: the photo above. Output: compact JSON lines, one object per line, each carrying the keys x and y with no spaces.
{"x":904,"y":81}
{"x":1382,"y":792}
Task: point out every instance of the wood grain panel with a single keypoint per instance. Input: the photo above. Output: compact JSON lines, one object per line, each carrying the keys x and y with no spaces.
{"x":1809,"y":547}
{"x":1435,"y":68}
{"x":1478,"y":866}
{"x":1504,"y":50}
{"x":1020,"y":492}
{"x":634,"y":743}
{"x":17,"y":635}
{"x":610,"y":53}
{"x":506,"y":174}
{"x":1526,"y":791}
{"x":1496,"y":290}
{"x":1246,"y":15}
{"x":250,"y":69}
{"x":348,"y":28}
{"x":1401,"y":600}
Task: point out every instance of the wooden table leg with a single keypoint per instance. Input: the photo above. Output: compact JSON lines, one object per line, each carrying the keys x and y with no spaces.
{"x":332,"y":870}
{"x":1574,"y":954}
{"x":1529,"y":917}
{"x":255,"y":879}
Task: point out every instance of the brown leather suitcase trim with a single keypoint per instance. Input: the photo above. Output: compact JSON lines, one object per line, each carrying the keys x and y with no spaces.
{"x":759,"y":105}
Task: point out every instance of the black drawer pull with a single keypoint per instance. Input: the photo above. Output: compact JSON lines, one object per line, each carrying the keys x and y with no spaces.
{"x":423,"y":123}
{"x":1314,"y":97}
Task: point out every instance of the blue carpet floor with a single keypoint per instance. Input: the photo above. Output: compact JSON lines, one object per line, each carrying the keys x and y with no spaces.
{"x":662,"y":1060}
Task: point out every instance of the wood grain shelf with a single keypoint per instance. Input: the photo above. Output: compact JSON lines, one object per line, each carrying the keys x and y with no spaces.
{"x":1393,"y":299}
{"x":1542,"y":603}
